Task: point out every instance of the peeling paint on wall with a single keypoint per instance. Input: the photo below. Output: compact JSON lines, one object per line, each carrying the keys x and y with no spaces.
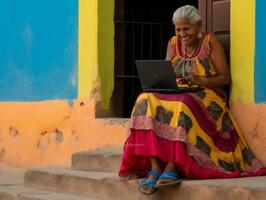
{"x":49,"y":132}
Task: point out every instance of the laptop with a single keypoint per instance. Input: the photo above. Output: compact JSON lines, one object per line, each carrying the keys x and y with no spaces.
{"x":159,"y":76}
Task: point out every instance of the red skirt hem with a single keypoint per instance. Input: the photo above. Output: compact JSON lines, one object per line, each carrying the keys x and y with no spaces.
{"x":143,"y":144}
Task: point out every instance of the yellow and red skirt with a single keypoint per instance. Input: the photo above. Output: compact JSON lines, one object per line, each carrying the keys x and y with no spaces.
{"x":194,"y":130}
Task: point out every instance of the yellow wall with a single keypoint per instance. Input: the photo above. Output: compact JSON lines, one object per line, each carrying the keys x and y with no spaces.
{"x":242,"y":49}
{"x":106,"y":49}
{"x":250,"y":117}
{"x":96,"y":49}
{"x":88,"y":46}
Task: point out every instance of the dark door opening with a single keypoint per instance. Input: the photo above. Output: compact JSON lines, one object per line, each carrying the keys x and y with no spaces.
{"x":142,"y":31}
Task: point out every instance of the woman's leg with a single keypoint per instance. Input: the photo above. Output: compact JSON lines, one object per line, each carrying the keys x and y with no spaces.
{"x":170,"y":167}
{"x":155,"y":166}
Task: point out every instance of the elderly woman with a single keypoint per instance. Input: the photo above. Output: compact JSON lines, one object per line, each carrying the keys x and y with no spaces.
{"x":191,"y":134}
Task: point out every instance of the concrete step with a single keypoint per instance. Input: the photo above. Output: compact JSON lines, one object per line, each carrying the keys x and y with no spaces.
{"x":17,"y":192}
{"x":12,"y":188}
{"x":108,"y":186}
{"x":103,"y":160}
{"x":101,"y":185}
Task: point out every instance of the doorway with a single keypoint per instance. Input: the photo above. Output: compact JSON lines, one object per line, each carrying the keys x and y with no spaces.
{"x":142,"y":31}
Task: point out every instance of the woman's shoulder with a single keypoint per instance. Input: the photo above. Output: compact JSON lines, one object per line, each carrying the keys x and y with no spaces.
{"x":173,"y":40}
{"x":205,"y":48}
{"x":209,"y":36}
{"x":212,"y":38}
{"x":214,"y":41}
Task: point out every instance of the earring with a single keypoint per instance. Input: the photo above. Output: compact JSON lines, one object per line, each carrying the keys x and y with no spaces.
{"x":200,"y":35}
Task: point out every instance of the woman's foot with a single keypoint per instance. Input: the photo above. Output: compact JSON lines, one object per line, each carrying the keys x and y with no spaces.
{"x":147,"y":186}
{"x":169,"y":176}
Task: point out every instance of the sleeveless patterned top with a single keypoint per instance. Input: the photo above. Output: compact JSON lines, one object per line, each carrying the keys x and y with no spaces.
{"x":199,"y":64}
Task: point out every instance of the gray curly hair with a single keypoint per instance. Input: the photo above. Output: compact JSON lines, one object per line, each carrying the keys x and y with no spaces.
{"x":189,"y":12}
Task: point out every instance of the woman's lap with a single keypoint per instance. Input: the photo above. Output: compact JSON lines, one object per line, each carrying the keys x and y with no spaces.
{"x":193,"y":130}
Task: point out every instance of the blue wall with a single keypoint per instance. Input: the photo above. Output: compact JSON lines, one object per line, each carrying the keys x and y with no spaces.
{"x":260,"y":53}
{"x":38,"y":49}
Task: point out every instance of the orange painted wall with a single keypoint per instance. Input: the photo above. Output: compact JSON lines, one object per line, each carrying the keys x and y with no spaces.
{"x":251,"y":118}
{"x":47,"y":133}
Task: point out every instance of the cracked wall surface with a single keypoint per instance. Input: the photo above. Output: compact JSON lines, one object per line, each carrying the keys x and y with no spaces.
{"x":251,"y":118}
{"x":47,"y":133}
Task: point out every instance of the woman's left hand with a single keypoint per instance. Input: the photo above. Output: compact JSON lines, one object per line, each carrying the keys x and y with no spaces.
{"x":195,"y":80}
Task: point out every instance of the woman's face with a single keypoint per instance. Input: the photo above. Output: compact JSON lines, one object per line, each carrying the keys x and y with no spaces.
{"x":187,"y":32}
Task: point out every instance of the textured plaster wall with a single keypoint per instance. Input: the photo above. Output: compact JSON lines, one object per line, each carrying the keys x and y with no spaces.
{"x":47,"y":133}
{"x":250,"y":116}
{"x":252,"y":120}
{"x":38,"y":51}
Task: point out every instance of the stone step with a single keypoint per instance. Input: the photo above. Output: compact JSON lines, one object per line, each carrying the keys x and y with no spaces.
{"x":108,"y":186}
{"x":17,"y":192}
{"x":101,"y":185}
{"x":103,"y":160}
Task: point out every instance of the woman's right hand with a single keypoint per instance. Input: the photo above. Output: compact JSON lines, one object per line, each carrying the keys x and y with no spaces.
{"x":181,"y":81}
{"x":192,"y":80}
{"x":185,"y":81}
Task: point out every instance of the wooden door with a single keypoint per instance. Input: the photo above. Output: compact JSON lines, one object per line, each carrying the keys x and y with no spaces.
{"x":216,"y":19}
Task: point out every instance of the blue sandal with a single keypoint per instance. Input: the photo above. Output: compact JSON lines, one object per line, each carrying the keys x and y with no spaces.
{"x":149,"y":183}
{"x":173,"y":178}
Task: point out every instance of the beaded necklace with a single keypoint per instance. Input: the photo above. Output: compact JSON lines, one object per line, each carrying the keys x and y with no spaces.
{"x":184,"y":52}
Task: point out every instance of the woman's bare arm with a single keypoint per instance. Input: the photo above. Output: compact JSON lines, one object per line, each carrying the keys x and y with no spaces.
{"x":169,"y":51}
{"x":219,"y":61}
